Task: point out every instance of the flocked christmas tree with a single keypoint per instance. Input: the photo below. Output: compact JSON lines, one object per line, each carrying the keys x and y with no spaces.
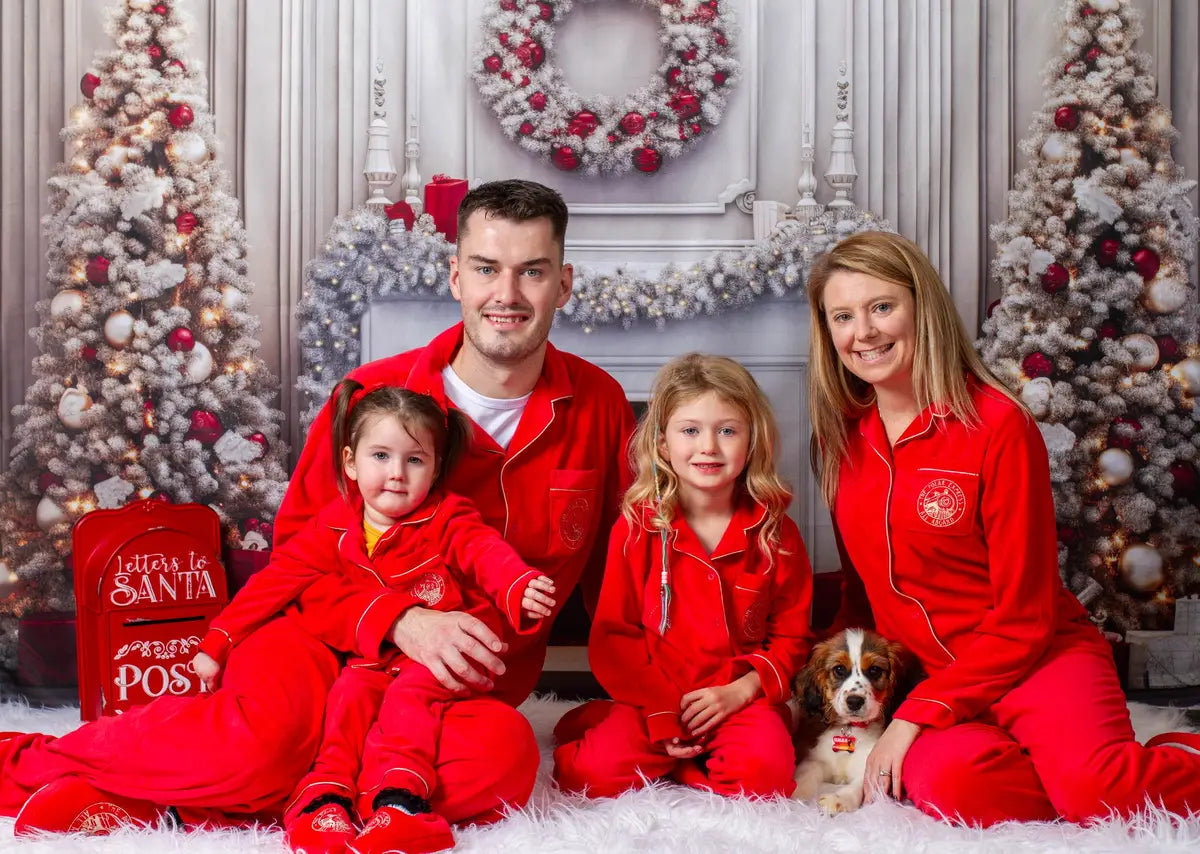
{"x":148,"y":383}
{"x":1097,"y":324}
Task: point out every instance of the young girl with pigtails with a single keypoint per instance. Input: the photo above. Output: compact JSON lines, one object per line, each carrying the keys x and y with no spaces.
{"x":703,"y":617}
{"x":409,"y":543}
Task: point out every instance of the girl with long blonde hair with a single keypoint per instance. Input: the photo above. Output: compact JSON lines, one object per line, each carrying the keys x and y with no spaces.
{"x":939,"y":484}
{"x":703,"y":617}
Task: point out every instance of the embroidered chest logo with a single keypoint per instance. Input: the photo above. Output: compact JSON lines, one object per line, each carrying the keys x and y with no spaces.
{"x":572,"y":525}
{"x":754,"y":621}
{"x":429,"y":588}
{"x":941,"y":503}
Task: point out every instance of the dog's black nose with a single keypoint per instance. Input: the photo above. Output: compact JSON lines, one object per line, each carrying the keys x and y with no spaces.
{"x":854,"y":702}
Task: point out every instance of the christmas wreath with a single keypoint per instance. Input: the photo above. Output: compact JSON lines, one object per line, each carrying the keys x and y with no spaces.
{"x":680,"y":104}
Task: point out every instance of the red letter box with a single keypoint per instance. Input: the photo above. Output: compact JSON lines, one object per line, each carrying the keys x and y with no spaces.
{"x":148,"y":581}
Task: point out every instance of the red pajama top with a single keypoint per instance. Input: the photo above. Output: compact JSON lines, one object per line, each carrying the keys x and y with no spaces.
{"x":951,"y":535}
{"x":553,"y":493}
{"x":729,"y":611}
{"x":442,"y":555}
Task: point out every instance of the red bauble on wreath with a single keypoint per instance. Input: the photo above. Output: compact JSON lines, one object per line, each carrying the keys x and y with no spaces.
{"x":1037,"y":365}
{"x":1106,"y":251}
{"x":181,"y":340}
{"x":1055,"y":278}
{"x":1066,"y":118}
{"x":537,"y":108}
{"x":1146,"y":262}
{"x":88,"y":84}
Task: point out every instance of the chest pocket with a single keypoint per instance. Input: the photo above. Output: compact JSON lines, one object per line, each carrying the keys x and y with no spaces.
{"x":574,"y":508}
{"x":751,"y":599}
{"x":936,"y":501}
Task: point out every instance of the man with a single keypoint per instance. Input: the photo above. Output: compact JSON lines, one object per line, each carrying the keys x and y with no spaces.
{"x":547,"y":469}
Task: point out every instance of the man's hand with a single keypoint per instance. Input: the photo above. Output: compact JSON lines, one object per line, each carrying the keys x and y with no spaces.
{"x":538,"y":601}
{"x":703,"y":710}
{"x":886,"y":760}
{"x":459,"y":650}
{"x":207,"y":669}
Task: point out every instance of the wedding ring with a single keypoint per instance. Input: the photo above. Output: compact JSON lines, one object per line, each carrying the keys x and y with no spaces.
{"x":885,"y":773}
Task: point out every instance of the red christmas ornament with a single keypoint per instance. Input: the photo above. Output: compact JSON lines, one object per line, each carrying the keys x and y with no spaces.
{"x":531,"y":54}
{"x":673,"y":75}
{"x":696,"y":128}
{"x":633,"y":123}
{"x":689,"y":55}
{"x":582,"y":124}
{"x":155,"y":52}
{"x":992,"y":306}
{"x":251,"y":524}
{"x":266,"y":530}
{"x":719,"y":78}
{"x":612,"y":137}
{"x":1087,"y":11}
{"x":175,"y":63}
{"x":88,"y":84}
{"x":181,"y":340}
{"x":507,"y":75}
{"x":1168,"y":349}
{"x":564,"y":158}
{"x":88,"y":353}
{"x":704,"y":14}
{"x":526,"y":128}
{"x":492,"y":64}
{"x":685,"y":104}
{"x":654,"y":114}
{"x":185,"y":223}
{"x":46,"y":480}
{"x":508,"y":5}
{"x":537,"y":101}
{"x":1145,"y":261}
{"x":160,"y":9}
{"x":260,"y":439}
{"x":97,"y":270}
{"x":1093,"y":54}
{"x":647,"y":159}
{"x":1055,"y":278}
{"x":524,"y":82}
{"x":1066,"y":117}
{"x":205,"y":427}
{"x":1124,"y":433}
{"x":1106,"y":252}
{"x":545,"y":11}
{"x":720,"y":39}
{"x":1069,"y":67}
{"x":1037,"y":365}
{"x":1067,"y":535}
{"x":1186,"y":482}
{"x":180,"y":116}
{"x":503,"y":38}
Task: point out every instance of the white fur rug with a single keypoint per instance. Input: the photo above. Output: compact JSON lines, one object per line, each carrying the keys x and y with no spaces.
{"x":668,"y":819}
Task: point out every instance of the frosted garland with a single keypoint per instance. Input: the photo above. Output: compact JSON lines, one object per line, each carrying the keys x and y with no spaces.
{"x":679,"y":106}
{"x":147,"y":353}
{"x":363,"y":262}
{"x":1097,"y":326}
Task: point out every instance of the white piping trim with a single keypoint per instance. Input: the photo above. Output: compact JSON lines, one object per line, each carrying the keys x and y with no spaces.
{"x":367,"y":610}
{"x":938,"y":702}
{"x":951,"y":471}
{"x":774,"y":669}
{"x":507,"y":460}
{"x":532,"y":574}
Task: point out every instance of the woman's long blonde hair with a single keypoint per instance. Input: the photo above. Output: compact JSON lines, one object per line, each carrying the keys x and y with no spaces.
{"x":681,"y":380}
{"x":942,"y":361}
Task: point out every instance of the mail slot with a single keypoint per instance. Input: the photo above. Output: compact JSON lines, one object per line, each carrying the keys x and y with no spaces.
{"x":148,"y":581}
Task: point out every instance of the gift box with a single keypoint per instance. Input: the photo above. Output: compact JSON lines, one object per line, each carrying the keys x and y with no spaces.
{"x":46,"y":650}
{"x":442,"y":198}
{"x":240,"y":564}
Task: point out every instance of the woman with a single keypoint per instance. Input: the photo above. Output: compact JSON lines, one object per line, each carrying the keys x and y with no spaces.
{"x":939,"y":484}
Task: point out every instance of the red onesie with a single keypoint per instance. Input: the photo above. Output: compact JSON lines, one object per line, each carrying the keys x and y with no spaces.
{"x":441,"y":556}
{"x":238,"y":753}
{"x":951,"y":536}
{"x":730,"y":612}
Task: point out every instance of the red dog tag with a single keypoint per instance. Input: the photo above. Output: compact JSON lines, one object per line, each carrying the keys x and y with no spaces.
{"x":843,"y":744}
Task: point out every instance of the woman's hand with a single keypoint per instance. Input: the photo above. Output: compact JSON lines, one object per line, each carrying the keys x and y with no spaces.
{"x":703,"y":710}
{"x":884,"y":764}
{"x":454,"y":646}
{"x":207,"y":670}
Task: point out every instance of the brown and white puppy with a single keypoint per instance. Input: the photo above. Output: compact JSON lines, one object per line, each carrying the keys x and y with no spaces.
{"x":844,"y":698}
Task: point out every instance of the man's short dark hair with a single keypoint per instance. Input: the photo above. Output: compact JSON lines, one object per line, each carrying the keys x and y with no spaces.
{"x":516,"y":200}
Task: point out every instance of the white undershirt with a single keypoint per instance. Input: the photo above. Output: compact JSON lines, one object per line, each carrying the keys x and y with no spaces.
{"x":498,"y":416}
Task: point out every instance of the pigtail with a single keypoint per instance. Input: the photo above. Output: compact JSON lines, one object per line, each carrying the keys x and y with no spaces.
{"x":339,"y":431}
{"x":458,"y":439}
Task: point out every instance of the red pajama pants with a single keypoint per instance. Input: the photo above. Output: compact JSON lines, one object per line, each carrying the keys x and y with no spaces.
{"x":1059,"y":744}
{"x":236,"y":755}
{"x":750,"y":753}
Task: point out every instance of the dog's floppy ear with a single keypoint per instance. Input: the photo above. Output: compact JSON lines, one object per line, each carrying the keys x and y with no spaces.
{"x":808,"y":684}
{"x":906,"y":674}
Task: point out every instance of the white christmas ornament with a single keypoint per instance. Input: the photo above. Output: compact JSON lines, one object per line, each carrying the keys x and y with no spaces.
{"x":71,"y":406}
{"x":1116,"y":466}
{"x":1165,"y":295}
{"x":48,"y":514}
{"x":66,"y":302}
{"x":1036,"y":395}
{"x":1188,"y":374}
{"x":231,"y":297}
{"x":118,"y":329}
{"x":199,"y":364}
{"x":112,"y":492}
{"x":1143,"y":349}
{"x":1141,"y":568}
{"x":233,"y":449}
{"x":1059,"y":147}
{"x":187,"y":146}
